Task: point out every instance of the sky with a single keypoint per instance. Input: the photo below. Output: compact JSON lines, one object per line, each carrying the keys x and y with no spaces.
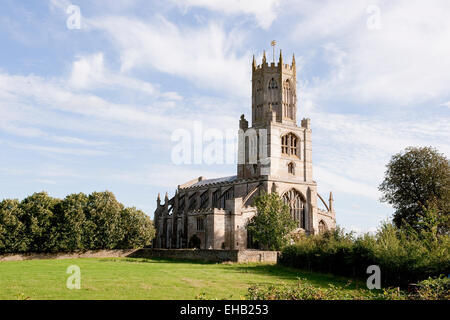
{"x":92,"y":92}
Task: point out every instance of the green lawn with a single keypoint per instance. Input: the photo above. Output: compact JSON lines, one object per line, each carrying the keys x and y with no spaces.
{"x":126,"y":278}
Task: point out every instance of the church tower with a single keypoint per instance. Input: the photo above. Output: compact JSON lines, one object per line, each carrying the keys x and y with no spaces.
{"x":274,"y":90}
{"x":274,"y":156}
{"x":275,"y":146}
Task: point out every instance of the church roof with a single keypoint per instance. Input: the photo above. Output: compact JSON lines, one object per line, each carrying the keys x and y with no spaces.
{"x":216,"y":180}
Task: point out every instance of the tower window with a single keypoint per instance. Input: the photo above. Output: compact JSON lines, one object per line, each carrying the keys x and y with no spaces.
{"x":291,"y":168}
{"x":289,"y":144}
{"x":288,"y":100}
{"x":273,"y":84}
{"x":259,"y":112}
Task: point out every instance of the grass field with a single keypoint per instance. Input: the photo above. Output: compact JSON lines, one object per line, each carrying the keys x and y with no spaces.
{"x":126,"y":278}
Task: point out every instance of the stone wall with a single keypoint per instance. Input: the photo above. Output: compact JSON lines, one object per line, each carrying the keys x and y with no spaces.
{"x":181,"y":254}
{"x":257,"y":256}
{"x":73,"y":255}
{"x":209,"y":255}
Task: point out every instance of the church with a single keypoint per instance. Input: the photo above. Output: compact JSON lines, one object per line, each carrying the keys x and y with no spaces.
{"x":274,"y":155}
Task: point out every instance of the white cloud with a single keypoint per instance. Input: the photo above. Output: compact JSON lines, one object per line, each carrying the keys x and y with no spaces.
{"x":263,"y":11}
{"x":405,"y":62}
{"x":58,"y":150}
{"x":33,"y":107}
{"x":340,"y":183}
{"x":168,"y":176}
{"x":207,"y":56}
{"x":89,"y":73}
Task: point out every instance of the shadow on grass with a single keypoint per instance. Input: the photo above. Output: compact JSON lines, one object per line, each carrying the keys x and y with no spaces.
{"x":288,"y":273}
{"x":158,"y":260}
{"x":272,"y":270}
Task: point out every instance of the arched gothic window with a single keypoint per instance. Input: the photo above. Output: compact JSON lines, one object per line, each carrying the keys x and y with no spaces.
{"x":290,"y":145}
{"x":288,"y":100}
{"x":259,"y":93}
{"x":296,"y":205}
{"x":273,"y":94}
{"x":322,"y":227}
{"x":273,"y":84}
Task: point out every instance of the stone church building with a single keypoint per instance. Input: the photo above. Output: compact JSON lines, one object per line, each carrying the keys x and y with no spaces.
{"x":274,"y":155}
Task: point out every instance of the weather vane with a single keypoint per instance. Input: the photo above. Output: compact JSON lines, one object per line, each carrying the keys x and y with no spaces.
{"x":273,"y":44}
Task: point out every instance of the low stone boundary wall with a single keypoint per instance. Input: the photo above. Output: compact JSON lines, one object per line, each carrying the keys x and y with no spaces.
{"x":209,"y":255}
{"x":73,"y":255}
{"x":257,"y":256}
{"x":180,"y":254}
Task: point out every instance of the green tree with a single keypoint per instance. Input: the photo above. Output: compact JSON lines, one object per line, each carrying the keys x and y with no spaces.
{"x":415,"y":181}
{"x":272,"y":222}
{"x":103,"y":226}
{"x":39,"y":222}
{"x":70,"y":221}
{"x":12,"y":231}
{"x":137,"y":227}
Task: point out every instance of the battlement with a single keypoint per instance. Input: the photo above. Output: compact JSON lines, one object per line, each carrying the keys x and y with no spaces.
{"x":272,"y":66}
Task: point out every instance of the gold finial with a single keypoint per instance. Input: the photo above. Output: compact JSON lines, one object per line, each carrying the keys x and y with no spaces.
{"x":273,"y":43}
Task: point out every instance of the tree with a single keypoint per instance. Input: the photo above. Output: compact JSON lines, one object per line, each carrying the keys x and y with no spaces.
{"x":272,"y":222}
{"x":415,"y":181}
{"x":103,"y":227}
{"x":39,"y":222}
{"x":70,"y":220}
{"x":137,"y":227}
{"x":13,"y":237}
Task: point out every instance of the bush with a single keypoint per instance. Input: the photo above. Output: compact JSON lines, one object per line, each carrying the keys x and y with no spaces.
{"x":430,"y":289}
{"x":404,"y":256}
{"x":305,"y":291}
{"x":434,"y":289}
{"x":79,"y":222}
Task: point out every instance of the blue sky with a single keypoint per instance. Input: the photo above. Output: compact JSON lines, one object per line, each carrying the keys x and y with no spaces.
{"x":94,"y":108}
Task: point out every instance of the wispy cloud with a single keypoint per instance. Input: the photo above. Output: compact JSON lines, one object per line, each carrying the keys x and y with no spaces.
{"x":404,"y":62}
{"x":206,"y":55}
{"x":100,"y":112}
{"x":263,"y":11}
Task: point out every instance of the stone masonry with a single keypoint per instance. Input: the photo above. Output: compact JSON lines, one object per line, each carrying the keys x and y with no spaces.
{"x":274,"y":155}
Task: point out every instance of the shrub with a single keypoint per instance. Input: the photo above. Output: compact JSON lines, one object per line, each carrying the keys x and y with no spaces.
{"x":305,"y":291}
{"x":433,"y":289}
{"x":430,"y":289}
{"x":403,"y":255}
